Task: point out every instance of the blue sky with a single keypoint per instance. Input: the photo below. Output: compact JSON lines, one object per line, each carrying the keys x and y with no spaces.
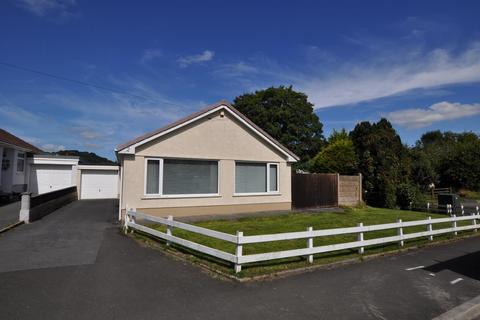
{"x":415,"y":63}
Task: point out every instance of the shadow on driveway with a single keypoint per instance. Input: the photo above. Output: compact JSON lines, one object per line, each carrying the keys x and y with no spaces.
{"x":467,"y":265}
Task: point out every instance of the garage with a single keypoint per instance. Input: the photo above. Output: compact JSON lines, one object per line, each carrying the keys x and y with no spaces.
{"x":98,"y":182}
{"x":50,"y":173}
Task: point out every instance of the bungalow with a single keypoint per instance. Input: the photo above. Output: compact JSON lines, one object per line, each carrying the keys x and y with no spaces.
{"x":13,"y":163}
{"x":215,"y":161}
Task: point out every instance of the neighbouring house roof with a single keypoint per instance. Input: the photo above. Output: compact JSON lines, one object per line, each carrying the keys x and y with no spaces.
{"x":8,"y":138}
{"x":198,"y":115}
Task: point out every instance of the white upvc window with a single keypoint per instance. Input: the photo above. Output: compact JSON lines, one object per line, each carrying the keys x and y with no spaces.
{"x":181,"y":177}
{"x":256,"y":178}
{"x":20,"y":162}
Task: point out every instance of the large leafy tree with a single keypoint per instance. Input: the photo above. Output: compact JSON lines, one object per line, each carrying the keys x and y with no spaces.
{"x":286,"y":115}
{"x":382,"y":159}
{"x":338,"y":156}
{"x":454,"y":157}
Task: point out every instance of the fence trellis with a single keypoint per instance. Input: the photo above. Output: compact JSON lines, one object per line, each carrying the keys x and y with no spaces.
{"x":238,"y":259}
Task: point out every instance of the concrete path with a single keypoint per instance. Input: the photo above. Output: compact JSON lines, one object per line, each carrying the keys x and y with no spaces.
{"x":75,"y":264}
{"x":9,"y":214}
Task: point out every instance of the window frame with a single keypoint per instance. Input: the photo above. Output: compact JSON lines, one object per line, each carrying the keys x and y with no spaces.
{"x":23,"y":156}
{"x":160,"y":177}
{"x":266,"y":193}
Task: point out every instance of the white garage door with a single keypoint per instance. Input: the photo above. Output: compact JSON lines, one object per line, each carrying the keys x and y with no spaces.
{"x":46,"y":178}
{"x":99,"y":184}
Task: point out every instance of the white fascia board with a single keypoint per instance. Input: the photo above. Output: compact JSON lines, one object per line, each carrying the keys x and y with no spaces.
{"x":131,"y":149}
{"x":97,"y":167}
{"x":12,"y":146}
{"x":38,"y":159}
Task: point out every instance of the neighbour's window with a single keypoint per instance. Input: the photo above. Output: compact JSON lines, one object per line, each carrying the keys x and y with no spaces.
{"x":251,"y":177}
{"x":181,"y":177}
{"x":20,"y":162}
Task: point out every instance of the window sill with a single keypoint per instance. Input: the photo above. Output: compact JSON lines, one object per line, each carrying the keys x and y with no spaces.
{"x":254,"y":194}
{"x":179,"y":196}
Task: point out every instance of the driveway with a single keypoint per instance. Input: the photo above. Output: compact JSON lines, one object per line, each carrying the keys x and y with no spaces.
{"x":9,"y":214}
{"x":75,"y":264}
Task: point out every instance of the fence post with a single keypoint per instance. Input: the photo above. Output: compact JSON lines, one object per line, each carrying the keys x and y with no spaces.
{"x":477,"y":210}
{"x":454,"y":224}
{"x":400,"y":232}
{"x":430,"y":228}
{"x":310,"y":244}
{"x":474,"y":222}
{"x":25,"y":208}
{"x":361,"y":250}
{"x":133,"y":219}
{"x":238,"y":252}
{"x":169,"y":228}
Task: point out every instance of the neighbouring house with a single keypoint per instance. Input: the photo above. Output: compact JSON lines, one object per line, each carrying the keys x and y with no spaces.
{"x":215,"y":161}
{"x":14,"y":153}
{"x":26,"y":168}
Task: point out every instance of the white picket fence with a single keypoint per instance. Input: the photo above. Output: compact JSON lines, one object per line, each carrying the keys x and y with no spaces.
{"x":239,"y":239}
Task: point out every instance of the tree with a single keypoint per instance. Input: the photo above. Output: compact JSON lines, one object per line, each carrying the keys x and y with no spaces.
{"x":287,"y":116}
{"x":382,"y":160}
{"x":337,"y":157}
{"x":454,"y":157}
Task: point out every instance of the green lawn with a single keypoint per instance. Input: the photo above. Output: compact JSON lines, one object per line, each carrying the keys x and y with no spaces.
{"x":299,"y":222}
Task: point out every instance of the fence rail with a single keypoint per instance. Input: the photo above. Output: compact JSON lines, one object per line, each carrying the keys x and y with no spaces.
{"x":239,"y":239}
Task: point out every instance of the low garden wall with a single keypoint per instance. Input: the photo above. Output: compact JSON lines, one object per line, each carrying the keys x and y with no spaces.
{"x":46,"y":203}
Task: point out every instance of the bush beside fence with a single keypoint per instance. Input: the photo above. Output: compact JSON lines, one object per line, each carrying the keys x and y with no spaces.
{"x":238,"y":259}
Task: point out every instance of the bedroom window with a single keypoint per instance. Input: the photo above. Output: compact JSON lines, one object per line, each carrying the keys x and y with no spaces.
{"x":180,"y":177}
{"x":20,"y":162}
{"x":256,"y":178}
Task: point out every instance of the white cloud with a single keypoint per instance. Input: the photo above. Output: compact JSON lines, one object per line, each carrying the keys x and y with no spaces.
{"x":151,"y":54}
{"x":392,"y":74}
{"x":441,"y":111}
{"x":206,"y":55}
{"x":49,"y":147}
{"x":43,"y":8}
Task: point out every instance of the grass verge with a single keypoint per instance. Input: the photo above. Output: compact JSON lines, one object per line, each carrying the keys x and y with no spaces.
{"x":299,"y":222}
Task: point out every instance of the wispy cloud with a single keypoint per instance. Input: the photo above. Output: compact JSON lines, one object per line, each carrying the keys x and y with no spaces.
{"x":62,"y":8}
{"x":50,"y":147}
{"x":206,"y":55}
{"x":441,"y":111}
{"x":151,"y":54}
{"x":354,"y":83}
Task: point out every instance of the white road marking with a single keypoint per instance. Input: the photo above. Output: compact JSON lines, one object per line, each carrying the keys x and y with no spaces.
{"x":432,"y":274}
{"x":456,"y":281}
{"x":415,"y":268}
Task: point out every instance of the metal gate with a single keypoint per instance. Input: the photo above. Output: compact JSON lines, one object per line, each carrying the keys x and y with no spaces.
{"x":314,"y":190}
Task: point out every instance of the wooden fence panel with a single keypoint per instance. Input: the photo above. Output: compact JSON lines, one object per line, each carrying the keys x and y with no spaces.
{"x":314,"y":190}
{"x":350,"y":190}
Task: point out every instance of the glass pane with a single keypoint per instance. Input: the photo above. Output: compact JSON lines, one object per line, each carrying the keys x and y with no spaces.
{"x":250,"y":177}
{"x":190,"y":176}
{"x":20,"y":165}
{"x":273,"y":177}
{"x":153,"y":172}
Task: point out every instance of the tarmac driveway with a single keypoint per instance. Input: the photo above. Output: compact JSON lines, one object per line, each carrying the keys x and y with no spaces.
{"x":70,"y":236}
{"x":75,"y":264}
